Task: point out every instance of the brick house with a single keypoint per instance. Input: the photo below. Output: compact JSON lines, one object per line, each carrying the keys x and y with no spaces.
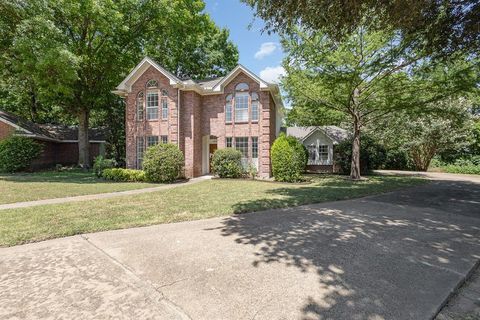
{"x":239,"y":110}
{"x":59,"y":143}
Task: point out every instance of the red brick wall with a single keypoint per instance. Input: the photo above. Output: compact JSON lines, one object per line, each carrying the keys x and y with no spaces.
{"x":54,"y":153}
{"x":5,"y":130}
{"x":200,"y":116}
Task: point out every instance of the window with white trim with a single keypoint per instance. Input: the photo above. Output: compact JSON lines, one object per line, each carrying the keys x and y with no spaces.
{"x":254,"y":147}
{"x":152,"y":105}
{"x":323,"y":153}
{"x":140,"y":148}
{"x":228,"y":109}
{"x":152,"y":140}
{"x":164,"y":104}
{"x":241,"y":144}
{"x":164,"y":139}
{"x":312,"y":153}
{"x":139,"y":106}
{"x":228,"y":142}
{"x":241,"y":87}
{"x":241,"y":106}
{"x":254,"y":107}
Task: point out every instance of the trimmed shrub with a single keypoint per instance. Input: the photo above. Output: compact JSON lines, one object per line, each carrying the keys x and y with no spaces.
{"x":227,"y":163}
{"x":101,"y":164}
{"x":289,"y":159}
{"x":124,"y":175}
{"x":372,"y":155}
{"x":17,"y":153}
{"x":163,"y":163}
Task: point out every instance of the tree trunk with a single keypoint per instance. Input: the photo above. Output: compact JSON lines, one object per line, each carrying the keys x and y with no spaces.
{"x":83,"y":141}
{"x":355,"y":165}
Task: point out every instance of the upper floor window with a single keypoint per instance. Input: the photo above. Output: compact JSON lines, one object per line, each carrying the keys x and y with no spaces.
{"x":164,"y":104}
{"x":241,"y":106}
{"x":254,"y":107}
{"x":241,"y":87}
{"x":139,"y":105}
{"x":228,"y":109}
{"x":152,"y":84}
{"x":152,"y":105}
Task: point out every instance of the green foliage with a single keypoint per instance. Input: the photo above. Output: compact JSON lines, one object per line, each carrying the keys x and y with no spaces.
{"x":465,"y":169}
{"x":227,"y":163}
{"x":124,"y":175}
{"x":163,"y":163}
{"x":366,"y":76}
{"x":442,"y":28}
{"x":17,"y":153}
{"x":397,"y":159}
{"x":64,"y":57}
{"x":372,"y":155}
{"x":289,"y":159}
{"x":100,"y":164}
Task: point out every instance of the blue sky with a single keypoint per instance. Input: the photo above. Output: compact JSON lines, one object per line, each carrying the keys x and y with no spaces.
{"x":259,"y":52}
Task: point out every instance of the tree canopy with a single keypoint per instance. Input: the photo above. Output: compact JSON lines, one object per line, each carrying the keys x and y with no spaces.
{"x":60,"y":57}
{"x":442,"y":26}
{"x":364,"y":77}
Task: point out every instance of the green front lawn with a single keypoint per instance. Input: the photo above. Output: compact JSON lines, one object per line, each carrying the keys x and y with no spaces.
{"x":53,"y":184}
{"x":198,"y":201}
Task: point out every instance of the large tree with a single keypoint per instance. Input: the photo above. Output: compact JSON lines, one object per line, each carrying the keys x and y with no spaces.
{"x":365,"y":76}
{"x":444,"y":26}
{"x":71,"y":54}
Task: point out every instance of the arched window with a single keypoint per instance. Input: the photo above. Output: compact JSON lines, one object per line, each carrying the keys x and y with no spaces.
{"x":241,"y":102}
{"x":139,"y":106}
{"x":254,"y":107}
{"x":241,"y":87}
{"x":228,"y":109}
{"x":152,"y":84}
{"x":164,"y":101}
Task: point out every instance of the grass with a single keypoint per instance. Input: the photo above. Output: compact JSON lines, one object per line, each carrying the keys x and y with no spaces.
{"x":53,"y":184}
{"x":198,"y":201}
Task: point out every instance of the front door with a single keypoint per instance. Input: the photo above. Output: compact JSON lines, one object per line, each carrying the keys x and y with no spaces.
{"x":211,"y":151}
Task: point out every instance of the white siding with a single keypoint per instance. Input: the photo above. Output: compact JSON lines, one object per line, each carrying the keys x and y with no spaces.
{"x":317,"y":139}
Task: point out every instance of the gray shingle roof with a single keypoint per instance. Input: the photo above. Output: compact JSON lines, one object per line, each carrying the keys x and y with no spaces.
{"x":333,"y":132}
{"x":50,"y":131}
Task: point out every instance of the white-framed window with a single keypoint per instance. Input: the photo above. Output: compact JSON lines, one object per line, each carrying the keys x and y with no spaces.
{"x":228,"y":109}
{"x":152,"y":140}
{"x":164,"y":104}
{"x":254,"y":147}
{"x":228,"y":142}
{"x":140,"y":148}
{"x":164,"y":139}
{"x":323,"y":153}
{"x":152,"y":105}
{"x":312,"y":153}
{"x":139,"y":106}
{"x":241,"y":144}
{"x":254,"y":107}
{"x":241,"y":106}
{"x":241,"y":87}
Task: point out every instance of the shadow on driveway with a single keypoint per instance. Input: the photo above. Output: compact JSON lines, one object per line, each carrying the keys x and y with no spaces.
{"x":391,"y":256}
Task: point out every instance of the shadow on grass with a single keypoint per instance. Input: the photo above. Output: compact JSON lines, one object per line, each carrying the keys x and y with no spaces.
{"x":392,"y":256}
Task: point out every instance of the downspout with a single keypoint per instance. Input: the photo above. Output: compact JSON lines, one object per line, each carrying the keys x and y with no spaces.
{"x":178,"y":117}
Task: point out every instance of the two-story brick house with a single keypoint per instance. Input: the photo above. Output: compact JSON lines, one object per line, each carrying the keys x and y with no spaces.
{"x":239,"y":110}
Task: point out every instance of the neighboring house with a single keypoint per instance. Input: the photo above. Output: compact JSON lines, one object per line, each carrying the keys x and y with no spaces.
{"x":239,"y":110}
{"x":320,"y":143}
{"x":60,"y":143}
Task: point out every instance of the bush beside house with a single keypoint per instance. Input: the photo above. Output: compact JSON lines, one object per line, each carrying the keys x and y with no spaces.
{"x":17,"y":153}
{"x":227,"y":163}
{"x":124,"y":175}
{"x":372,"y":155}
{"x":289,"y":159}
{"x":101,"y":164}
{"x":163,"y":163}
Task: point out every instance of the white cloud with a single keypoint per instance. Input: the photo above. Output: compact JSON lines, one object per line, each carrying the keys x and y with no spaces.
{"x":272,"y":74}
{"x":266,"y":49}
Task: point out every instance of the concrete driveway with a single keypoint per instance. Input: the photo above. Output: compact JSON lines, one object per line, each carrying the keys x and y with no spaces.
{"x":392,"y":256}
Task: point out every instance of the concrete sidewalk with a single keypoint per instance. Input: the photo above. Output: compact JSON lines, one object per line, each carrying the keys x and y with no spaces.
{"x":392,"y":256}
{"x":98,"y":196}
